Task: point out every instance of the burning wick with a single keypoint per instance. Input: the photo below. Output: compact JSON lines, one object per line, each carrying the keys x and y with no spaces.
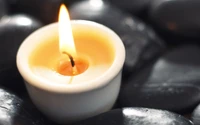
{"x":67,"y":67}
{"x":71,"y":66}
{"x":71,"y":58}
{"x":74,"y":69}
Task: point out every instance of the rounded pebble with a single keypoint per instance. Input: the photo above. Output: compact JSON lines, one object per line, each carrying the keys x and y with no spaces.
{"x":133,"y":6}
{"x":3,"y":8}
{"x":167,"y":83}
{"x":141,"y":42}
{"x":15,"y":111}
{"x":45,"y":10}
{"x":180,"y":17}
{"x":196,"y":115}
{"x":137,"y":116}
{"x":13,"y":30}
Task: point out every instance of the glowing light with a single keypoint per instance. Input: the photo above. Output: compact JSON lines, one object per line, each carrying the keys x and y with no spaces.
{"x":66,"y":40}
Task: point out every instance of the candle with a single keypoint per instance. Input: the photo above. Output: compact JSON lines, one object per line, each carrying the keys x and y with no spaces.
{"x":90,"y":51}
{"x":72,"y":82}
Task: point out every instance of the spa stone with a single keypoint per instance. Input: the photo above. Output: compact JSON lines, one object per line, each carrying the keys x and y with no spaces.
{"x":167,"y":83}
{"x":136,"y":116}
{"x":180,"y":17}
{"x":13,"y":30}
{"x":15,"y":111}
{"x":44,"y":10}
{"x":141,"y":42}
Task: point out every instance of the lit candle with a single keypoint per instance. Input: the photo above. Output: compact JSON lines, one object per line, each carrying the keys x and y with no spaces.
{"x":72,"y":70}
{"x":87,"y":54}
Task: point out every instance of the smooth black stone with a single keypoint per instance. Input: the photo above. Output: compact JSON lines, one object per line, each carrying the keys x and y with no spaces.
{"x":45,"y":10}
{"x":13,"y":30}
{"x":177,"y":16}
{"x":3,"y":8}
{"x":134,"y":6}
{"x":70,"y":2}
{"x":136,"y":116}
{"x":196,"y":116}
{"x":141,"y":42}
{"x":171,"y":83}
{"x":15,"y":111}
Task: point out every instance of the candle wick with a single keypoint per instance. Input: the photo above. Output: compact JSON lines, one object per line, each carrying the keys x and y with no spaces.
{"x":71,"y":58}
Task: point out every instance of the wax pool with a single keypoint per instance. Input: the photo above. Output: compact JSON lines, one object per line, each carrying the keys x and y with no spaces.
{"x":93,"y":49}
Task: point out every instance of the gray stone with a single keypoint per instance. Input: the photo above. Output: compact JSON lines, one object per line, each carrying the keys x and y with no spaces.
{"x":3,"y":8}
{"x":15,"y":111}
{"x":134,"y":6}
{"x":136,"y":116}
{"x":13,"y":30}
{"x":171,"y":83}
{"x":141,"y":42}
{"x":45,"y":10}
{"x":177,"y":16}
{"x":196,"y":115}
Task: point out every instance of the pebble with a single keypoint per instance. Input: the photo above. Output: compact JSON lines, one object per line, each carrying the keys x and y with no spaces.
{"x":141,"y":42}
{"x":180,"y":17}
{"x":133,"y":6}
{"x":137,"y":116}
{"x":196,"y":115}
{"x":167,"y":83}
{"x":3,"y":8}
{"x":13,"y":30}
{"x":15,"y":111}
{"x":45,"y":10}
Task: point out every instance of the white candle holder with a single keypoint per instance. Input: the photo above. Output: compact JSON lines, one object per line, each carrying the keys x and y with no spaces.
{"x":66,"y":103}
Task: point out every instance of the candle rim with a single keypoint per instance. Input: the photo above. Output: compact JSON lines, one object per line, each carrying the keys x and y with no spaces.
{"x":96,"y":83}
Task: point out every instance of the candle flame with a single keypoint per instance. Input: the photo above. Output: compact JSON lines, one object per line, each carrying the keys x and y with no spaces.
{"x":66,"y":40}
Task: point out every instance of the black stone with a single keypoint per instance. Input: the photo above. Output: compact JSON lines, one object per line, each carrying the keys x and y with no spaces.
{"x":13,"y":30}
{"x":70,"y":2}
{"x":45,"y":10}
{"x":3,"y":8}
{"x":141,"y":42}
{"x":177,"y":16}
{"x":15,"y":111}
{"x":171,"y":83}
{"x":133,"y":6}
{"x":196,"y":116}
{"x":137,"y":116}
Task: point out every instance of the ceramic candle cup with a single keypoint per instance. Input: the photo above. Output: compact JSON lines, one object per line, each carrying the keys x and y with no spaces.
{"x":66,"y":103}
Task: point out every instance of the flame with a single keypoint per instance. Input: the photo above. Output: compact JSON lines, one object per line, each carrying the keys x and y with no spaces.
{"x":66,"y":40}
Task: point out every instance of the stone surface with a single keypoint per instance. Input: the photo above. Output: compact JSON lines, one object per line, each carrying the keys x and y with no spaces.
{"x":3,"y":8}
{"x":136,"y":116}
{"x":171,"y":83}
{"x":70,"y":2}
{"x":134,"y":6}
{"x":45,"y":10}
{"x":177,"y":16}
{"x":15,"y":111}
{"x":196,"y":116}
{"x":13,"y":30}
{"x":141,"y":42}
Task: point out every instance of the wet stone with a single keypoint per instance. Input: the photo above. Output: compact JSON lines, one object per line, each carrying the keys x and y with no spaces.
{"x":179,"y":17}
{"x":15,"y":111}
{"x":141,"y":42}
{"x":133,"y":6}
{"x":70,"y":2}
{"x":45,"y":10}
{"x":13,"y":30}
{"x":3,"y":8}
{"x":136,"y":116}
{"x":167,"y":83}
{"x":196,"y":115}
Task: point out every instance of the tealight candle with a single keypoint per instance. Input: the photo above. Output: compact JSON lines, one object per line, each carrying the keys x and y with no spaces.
{"x":72,"y":70}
